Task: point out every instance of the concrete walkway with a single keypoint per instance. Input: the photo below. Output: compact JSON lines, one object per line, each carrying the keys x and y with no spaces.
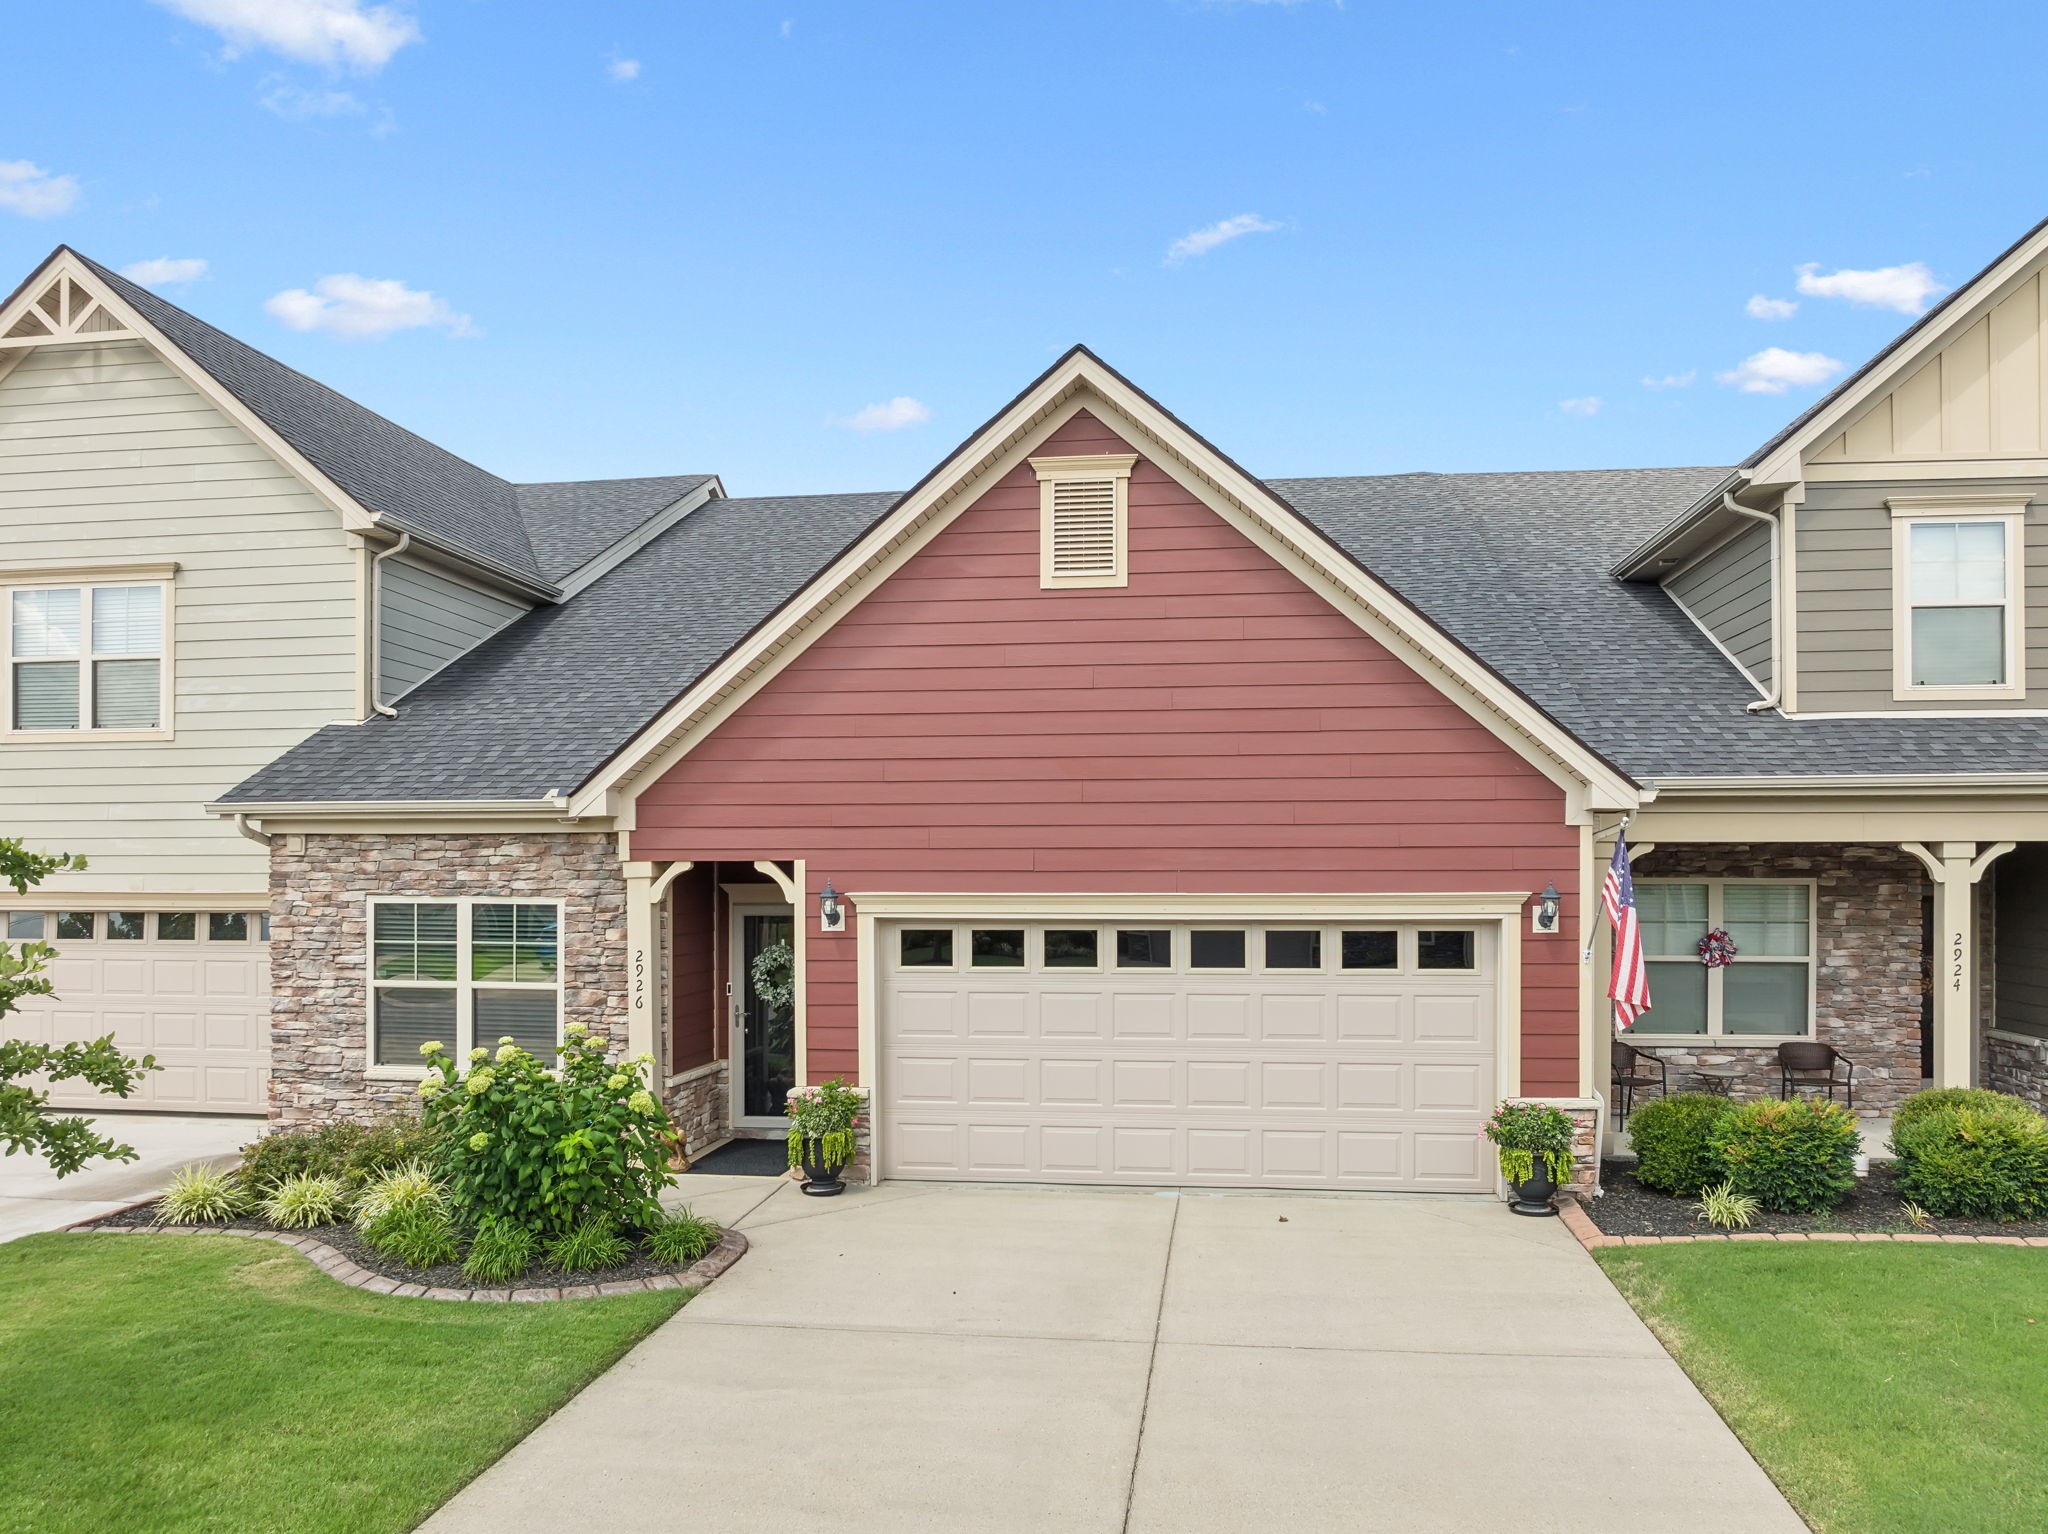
{"x":33,"y":1198}
{"x":953,"y":1359}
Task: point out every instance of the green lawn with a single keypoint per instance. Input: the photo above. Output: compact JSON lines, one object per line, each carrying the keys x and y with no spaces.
{"x":182,"y":1383}
{"x":1885,"y":1388}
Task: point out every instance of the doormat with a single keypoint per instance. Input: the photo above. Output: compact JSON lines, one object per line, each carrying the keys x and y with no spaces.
{"x":743,"y":1158}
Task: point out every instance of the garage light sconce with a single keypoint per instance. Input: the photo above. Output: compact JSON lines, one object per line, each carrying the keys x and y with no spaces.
{"x":1545,"y":917}
{"x":831,"y":914}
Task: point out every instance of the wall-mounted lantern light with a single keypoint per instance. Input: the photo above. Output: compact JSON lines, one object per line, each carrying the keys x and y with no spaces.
{"x":831,"y":914}
{"x":1545,"y":916}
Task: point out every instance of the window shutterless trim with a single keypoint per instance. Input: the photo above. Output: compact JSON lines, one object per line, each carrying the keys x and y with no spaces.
{"x":463,"y":985}
{"x":1909,"y":512}
{"x":1717,"y":978}
{"x":84,"y":581}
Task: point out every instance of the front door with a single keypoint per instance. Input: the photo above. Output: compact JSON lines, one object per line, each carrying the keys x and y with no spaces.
{"x":765,"y":1042}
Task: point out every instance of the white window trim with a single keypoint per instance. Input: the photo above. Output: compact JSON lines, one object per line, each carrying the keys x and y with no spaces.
{"x":1717,"y":921}
{"x":83,"y":580}
{"x":464,"y":985}
{"x":1911,"y":511}
{"x":1111,"y":466}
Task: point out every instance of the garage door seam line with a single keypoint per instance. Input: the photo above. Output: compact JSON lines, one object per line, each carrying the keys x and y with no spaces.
{"x":1151,"y":1365}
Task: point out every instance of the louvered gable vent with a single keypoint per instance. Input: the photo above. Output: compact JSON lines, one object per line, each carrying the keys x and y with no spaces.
{"x":1082,"y":503}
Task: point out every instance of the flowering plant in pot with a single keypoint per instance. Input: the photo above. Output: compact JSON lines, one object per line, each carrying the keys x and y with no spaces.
{"x":1535,"y":1145}
{"x":823,"y":1121}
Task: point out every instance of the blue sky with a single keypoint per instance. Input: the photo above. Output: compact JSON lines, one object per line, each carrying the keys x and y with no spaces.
{"x":809,"y":244}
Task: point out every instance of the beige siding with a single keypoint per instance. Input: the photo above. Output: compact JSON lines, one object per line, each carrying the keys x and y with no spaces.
{"x":1845,"y":594}
{"x":1984,"y":394}
{"x":1729,"y":592}
{"x":426,"y":617}
{"x":107,"y":454}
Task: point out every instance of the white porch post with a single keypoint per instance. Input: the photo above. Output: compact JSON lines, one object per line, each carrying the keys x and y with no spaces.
{"x":646,"y":975}
{"x":1955,"y":868}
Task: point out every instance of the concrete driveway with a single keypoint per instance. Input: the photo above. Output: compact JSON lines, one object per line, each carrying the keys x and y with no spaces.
{"x":32,"y":1198}
{"x":950,"y":1359}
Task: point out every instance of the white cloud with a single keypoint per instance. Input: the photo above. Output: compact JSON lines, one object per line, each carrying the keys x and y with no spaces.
{"x":889,"y":415}
{"x":297,"y":104}
{"x":788,"y":27}
{"x":1905,"y":288}
{"x":1762,"y":307}
{"x":364,"y":308}
{"x":1199,"y":242}
{"x":1774,"y":370}
{"x":1671,"y":380}
{"x":1585,"y":404}
{"x":336,"y":33}
{"x":33,"y":192}
{"x":1316,"y":107}
{"x":165,"y":271}
{"x":622,"y":70}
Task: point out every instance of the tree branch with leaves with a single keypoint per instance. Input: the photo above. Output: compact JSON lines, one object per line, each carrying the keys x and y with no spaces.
{"x":26,"y":1120}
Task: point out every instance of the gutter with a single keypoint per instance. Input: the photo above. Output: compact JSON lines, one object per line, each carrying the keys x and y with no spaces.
{"x":1891,"y":782}
{"x":377,"y":703}
{"x":551,"y":806}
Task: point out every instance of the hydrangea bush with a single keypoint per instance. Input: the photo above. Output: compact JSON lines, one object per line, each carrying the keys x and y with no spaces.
{"x":549,"y":1150}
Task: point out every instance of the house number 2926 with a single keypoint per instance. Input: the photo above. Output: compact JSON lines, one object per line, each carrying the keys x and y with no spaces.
{"x":639,"y":979}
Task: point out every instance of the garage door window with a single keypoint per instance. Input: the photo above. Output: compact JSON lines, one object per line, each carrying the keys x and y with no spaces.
{"x":24,"y":926}
{"x":176,"y":926}
{"x":227,"y":927}
{"x":1372,"y":949}
{"x":76,"y":926}
{"x":125,"y":926}
{"x":998,"y":947}
{"x":928,"y":948}
{"x":1144,"y":948}
{"x":1073,"y":948}
{"x":1294,"y":949}
{"x":465,"y":974}
{"x":1216,"y":950}
{"x":1446,"y":948}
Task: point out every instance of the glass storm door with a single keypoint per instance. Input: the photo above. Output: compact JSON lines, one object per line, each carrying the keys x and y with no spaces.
{"x":767,"y":1034}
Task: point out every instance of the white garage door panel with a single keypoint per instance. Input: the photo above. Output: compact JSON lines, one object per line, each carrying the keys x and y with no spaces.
{"x":1304,"y":1079}
{"x":201,"y":1007}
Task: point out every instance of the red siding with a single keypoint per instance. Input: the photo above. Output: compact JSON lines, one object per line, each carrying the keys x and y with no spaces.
{"x":693,"y":984}
{"x":1215,"y":726}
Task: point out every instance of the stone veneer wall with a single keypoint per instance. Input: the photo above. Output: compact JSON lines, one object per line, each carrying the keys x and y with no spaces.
{"x":699,"y":1106}
{"x":2017,"y":1063}
{"x":1868,"y":978}
{"x":320,"y":887}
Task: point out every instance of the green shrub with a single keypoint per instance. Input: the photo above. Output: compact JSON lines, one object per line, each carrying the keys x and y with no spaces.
{"x":549,"y":1150}
{"x":1796,"y":1157}
{"x":1725,"y":1209}
{"x":682,"y":1238}
{"x":590,"y":1246}
{"x":420,"y":1235}
{"x":1974,"y":1158}
{"x":304,"y":1200}
{"x":1940,"y":1099}
{"x":200,"y":1195}
{"x":501,"y":1251}
{"x":405,"y":1187}
{"x":355,"y":1153}
{"x":1673,"y":1140}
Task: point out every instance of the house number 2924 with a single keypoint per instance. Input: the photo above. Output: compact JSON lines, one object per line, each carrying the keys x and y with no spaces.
{"x":1956,"y":954}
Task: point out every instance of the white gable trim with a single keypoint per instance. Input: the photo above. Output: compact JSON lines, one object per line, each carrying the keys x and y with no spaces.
{"x":1957,"y":313}
{"x":1076,"y":381}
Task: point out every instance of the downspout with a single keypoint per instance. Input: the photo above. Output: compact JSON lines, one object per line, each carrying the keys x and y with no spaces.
{"x":262,"y":838}
{"x":1729,"y":503}
{"x":377,"y":702}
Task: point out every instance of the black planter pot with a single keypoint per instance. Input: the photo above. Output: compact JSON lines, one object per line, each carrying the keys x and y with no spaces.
{"x":821,"y":1177}
{"x":1534,"y":1193}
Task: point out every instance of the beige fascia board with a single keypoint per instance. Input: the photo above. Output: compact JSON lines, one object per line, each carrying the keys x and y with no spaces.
{"x":1786,"y":461}
{"x":1672,"y":788}
{"x":1645,"y":560}
{"x":900,"y":905}
{"x":1911,"y":470}
{"x":613,"y":555}
{"x":52,"y":897}
{"x":453,"y":815}
{"x":1275,"y":527}
{"x":460,"y":566}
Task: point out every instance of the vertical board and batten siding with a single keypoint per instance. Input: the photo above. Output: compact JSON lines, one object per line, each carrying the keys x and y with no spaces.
{"x":1729,"y":593}
{"x":1844,"y":573}
{"x":426,"y":618}
{"x":106,"y":454}
{"x":1984,"y":394}
{"x":1215,"y":726}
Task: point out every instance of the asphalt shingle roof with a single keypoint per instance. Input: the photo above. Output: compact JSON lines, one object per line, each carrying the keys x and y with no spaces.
{"x":571,"y":522}
{"x":1512,"y":566}
{"x":541,"y":705}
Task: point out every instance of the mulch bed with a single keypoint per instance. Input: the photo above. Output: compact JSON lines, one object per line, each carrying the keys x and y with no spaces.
{"x":1627,"y":1208}
{"x":344,"y":1239}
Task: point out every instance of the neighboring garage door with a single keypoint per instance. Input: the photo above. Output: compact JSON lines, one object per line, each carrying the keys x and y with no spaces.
{"x":191,"y":988}
{"x":1284,"y":1056}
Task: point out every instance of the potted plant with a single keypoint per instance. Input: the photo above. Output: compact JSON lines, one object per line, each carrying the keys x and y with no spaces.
{"x":822,"y":1124}
{"x":1535,"y":1144}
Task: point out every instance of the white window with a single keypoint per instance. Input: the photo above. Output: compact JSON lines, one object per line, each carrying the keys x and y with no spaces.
{"x":1956,"y":600}
{"x":1084,"y":520}
{"x":1766,"y":993}
{"x":86,"y":658}
{"x":465,"y":973}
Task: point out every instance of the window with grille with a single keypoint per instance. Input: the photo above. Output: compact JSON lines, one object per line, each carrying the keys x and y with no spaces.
{"x":1084,"y":518}
{"x":85,"y":657}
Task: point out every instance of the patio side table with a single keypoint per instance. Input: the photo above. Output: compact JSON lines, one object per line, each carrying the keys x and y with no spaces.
{"x":1718,"y":1080}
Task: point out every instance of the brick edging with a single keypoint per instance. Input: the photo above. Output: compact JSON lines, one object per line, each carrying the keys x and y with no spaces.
{"x":1592,"y":1238}
{"x":731,"y":1247}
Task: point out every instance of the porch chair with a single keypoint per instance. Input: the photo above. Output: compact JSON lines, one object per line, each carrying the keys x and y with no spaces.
{"x":1814,"y":1065}
{"x":1638,"y":1068}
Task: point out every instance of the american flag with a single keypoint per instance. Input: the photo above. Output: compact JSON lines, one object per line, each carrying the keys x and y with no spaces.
{"x":1630,"y":985}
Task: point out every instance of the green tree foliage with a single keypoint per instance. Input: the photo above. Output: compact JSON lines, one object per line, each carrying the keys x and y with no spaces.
{"x":26,"y":1122}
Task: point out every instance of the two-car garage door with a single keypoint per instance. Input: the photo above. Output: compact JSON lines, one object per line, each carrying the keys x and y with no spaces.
{"x":1294,"y":1055}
